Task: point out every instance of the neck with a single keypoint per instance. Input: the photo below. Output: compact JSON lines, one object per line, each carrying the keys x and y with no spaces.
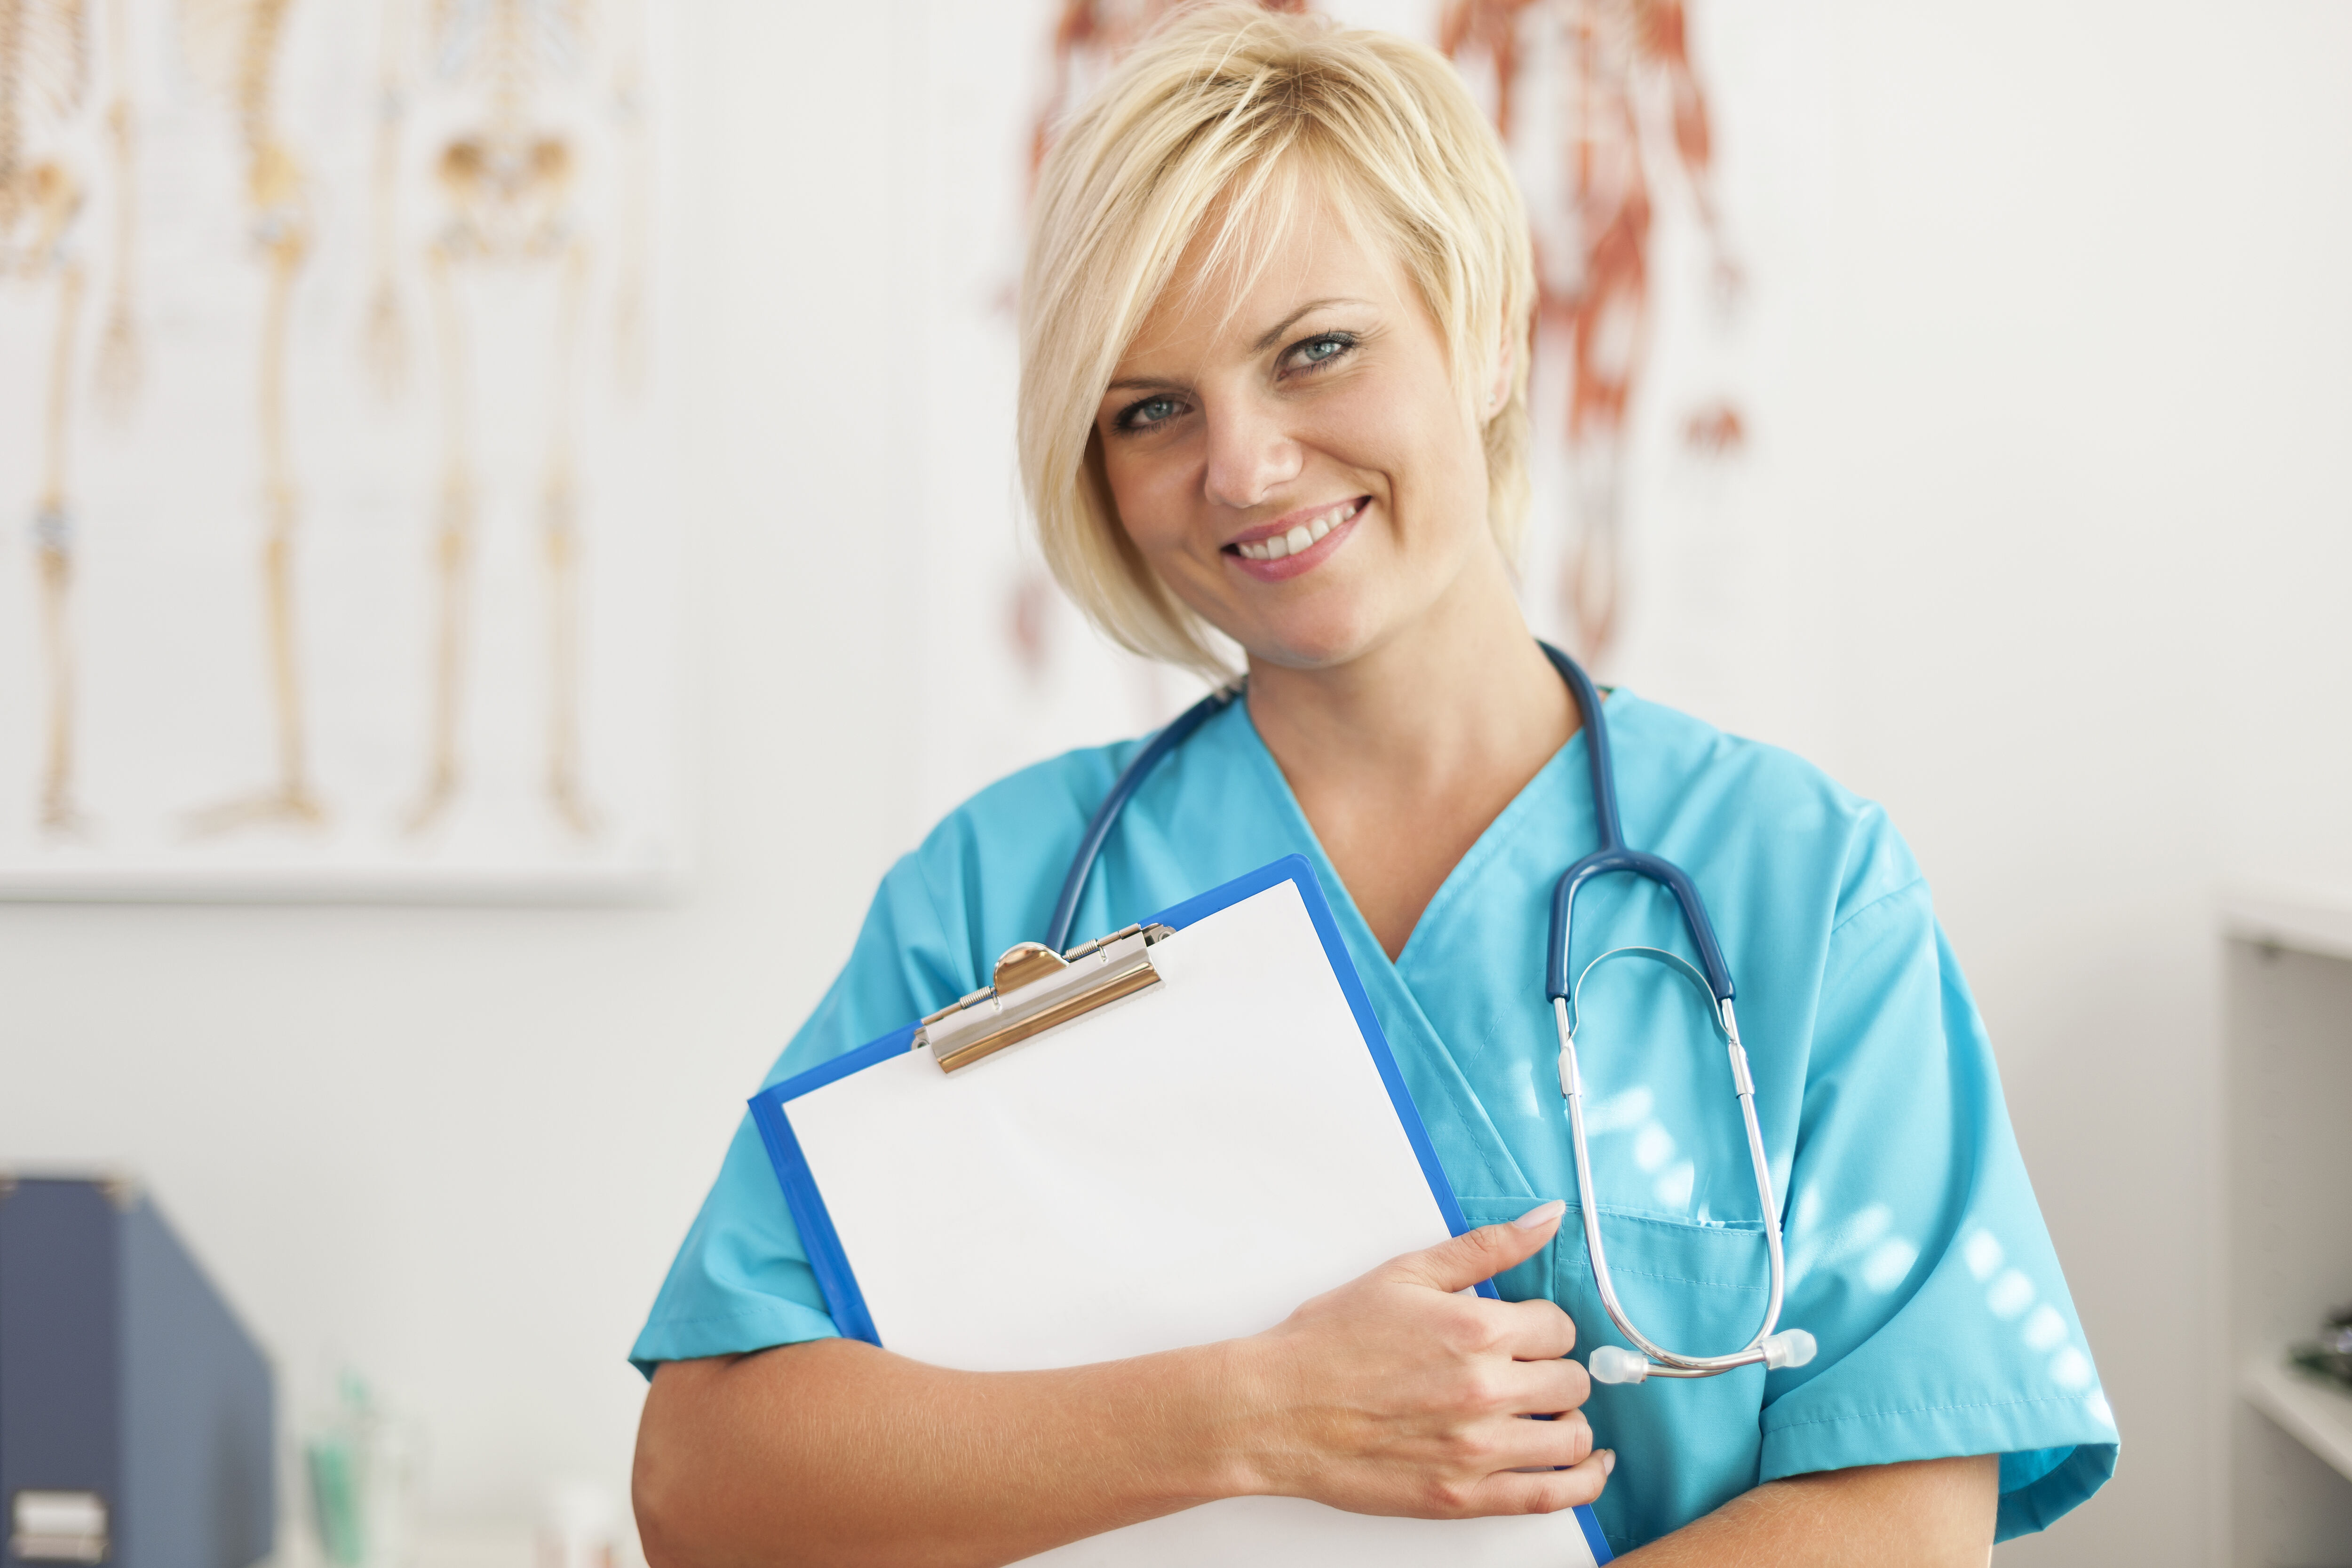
{"x":1463,"y":689}
{"x":1402,"y":756}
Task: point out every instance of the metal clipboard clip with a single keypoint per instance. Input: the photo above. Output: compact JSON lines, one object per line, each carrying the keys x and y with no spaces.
{"x":1037,"y":988}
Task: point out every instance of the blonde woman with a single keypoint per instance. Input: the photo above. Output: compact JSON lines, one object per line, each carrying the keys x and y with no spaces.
{"x":1275,"y":333}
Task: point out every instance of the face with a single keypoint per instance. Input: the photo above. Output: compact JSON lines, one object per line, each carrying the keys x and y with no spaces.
{"x":1292,"y":457}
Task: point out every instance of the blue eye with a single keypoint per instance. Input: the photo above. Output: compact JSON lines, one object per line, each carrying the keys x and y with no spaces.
{"x":1320,"y":350}
{"x":1151,"y":411}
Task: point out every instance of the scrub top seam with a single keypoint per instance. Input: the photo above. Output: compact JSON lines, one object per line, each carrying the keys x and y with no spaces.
{"x":940,"y":928}
{"x":1771,"y":1426}
{"x":1918,"y":880}
{"x":1750,"y":1287}
{"x":757,"y":1317}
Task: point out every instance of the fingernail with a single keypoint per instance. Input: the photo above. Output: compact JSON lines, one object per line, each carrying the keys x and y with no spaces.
{"x":1608,"y":1461}
{"x":1542,"y":1214}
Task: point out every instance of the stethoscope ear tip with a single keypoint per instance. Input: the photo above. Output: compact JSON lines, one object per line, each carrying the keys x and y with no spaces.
{"x":1789,"y":1347}
{"x":1615,"y":1364}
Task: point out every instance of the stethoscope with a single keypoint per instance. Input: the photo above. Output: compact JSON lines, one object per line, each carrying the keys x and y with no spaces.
{"x":1608,"y":1362}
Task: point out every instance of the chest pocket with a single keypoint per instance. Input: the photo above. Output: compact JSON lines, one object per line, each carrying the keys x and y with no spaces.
{"x":1684,"y":1446}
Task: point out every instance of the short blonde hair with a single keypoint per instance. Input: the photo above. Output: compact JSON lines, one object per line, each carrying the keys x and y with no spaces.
{"x":1215,"y":115}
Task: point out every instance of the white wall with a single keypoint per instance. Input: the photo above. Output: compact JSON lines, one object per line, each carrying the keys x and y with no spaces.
{"x":2041,"y":542}
{"x":2052,"y":501}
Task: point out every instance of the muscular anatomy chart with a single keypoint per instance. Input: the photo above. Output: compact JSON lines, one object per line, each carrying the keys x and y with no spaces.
{"x":370,"y":288}
{"x":1599,"y":82}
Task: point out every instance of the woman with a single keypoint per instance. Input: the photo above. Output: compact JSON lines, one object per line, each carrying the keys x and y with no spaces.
{"x":1274,"y":330}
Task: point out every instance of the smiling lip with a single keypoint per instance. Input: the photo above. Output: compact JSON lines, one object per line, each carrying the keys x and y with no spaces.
{"x":1297,"y":543}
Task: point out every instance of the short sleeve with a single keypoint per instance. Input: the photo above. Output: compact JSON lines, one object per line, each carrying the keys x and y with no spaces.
{"x":742,"y":1281}
{"x":1916,"y":1254}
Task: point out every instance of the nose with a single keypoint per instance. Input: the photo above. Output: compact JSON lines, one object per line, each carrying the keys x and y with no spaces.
{"x":1251,"y":454}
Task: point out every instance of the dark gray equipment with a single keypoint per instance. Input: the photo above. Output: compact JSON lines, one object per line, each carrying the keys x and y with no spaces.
{"x":137,"y":1417}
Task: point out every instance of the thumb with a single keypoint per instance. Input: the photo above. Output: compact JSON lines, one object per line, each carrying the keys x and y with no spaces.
{"x":1483,"y":1253}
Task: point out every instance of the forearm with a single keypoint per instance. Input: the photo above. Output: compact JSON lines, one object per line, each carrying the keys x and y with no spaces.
{"x":1398,"y":1393}
{"x":1933,"y":1513}
{"x":836,"y":1452}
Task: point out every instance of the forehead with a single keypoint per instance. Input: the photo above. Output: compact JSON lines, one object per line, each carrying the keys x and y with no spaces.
{"x":1254,"y":262}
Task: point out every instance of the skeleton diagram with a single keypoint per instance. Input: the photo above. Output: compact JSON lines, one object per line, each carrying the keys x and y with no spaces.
{"x":1610,"y":70}
{"x":44,"y":77}
{"x":506,"y":193}
{"x":234,"y":46}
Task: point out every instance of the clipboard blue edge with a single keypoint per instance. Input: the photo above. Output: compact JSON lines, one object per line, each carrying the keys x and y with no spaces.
{"x":822,"y":1243}
{"x":826,"y":1261}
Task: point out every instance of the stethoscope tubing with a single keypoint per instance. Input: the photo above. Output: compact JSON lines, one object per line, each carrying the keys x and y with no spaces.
{"x":1106,"y":817}
{"x":1613,"y":855}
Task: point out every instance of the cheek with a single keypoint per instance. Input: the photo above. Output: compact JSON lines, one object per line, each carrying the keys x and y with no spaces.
{"x":1149,"y":491}
{"x":1438,"y":467}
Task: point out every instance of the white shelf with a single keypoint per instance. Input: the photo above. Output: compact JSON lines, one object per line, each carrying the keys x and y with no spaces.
{"x":2301,"y":919}
{"x":2314,"y":1414}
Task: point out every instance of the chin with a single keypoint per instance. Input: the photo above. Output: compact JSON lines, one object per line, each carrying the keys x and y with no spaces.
{"x":1319,"y":641}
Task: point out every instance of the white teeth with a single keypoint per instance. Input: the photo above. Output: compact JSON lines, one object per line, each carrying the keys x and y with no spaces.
{"x":1304,"y":537}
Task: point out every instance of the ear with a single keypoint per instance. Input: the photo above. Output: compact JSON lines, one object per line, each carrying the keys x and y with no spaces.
{"x":1498,"y":391}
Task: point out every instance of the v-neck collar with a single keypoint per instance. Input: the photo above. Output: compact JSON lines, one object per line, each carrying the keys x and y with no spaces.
{"x":1566,"y":768}
{"x":1399,"y":1010}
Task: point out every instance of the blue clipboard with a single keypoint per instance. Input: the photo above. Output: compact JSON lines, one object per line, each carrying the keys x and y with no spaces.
{"x":835,"y":1275}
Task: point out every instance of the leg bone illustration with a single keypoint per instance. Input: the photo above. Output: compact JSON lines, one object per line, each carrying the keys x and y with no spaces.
{"x":240,"y":40}
{"x":44,"y":75}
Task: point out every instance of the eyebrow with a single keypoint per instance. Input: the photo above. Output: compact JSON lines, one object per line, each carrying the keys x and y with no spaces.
{"x":1272,"y":336}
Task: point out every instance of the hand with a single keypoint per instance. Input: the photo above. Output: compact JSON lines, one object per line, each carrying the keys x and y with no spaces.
{"x":1393,"y":1394}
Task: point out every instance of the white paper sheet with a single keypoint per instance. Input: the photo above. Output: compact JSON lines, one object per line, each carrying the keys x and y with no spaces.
{"x":1186,"y":1166}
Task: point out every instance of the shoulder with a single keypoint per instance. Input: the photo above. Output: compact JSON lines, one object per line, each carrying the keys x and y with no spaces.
{"x":1756,"y":800}
{"x":1048,"y":800}
{"x":988,"y":870}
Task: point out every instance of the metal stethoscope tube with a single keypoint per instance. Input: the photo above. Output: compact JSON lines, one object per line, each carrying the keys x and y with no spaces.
{"x":1611,"y":1364}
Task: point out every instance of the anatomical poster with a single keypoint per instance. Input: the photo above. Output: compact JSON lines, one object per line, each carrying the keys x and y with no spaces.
{"x":335,"y":453}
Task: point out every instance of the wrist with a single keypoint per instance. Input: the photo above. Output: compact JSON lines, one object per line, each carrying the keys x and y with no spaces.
{"x":1238,"y":1446}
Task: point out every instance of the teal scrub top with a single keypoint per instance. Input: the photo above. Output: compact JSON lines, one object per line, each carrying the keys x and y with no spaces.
{"x":1916,"y":1255}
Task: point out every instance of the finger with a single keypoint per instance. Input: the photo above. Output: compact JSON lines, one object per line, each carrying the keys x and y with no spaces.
{"x":1539,"y":1444}
{"x":1546,"y":1491}
{"x":1480,"y":1254}
{"x":1534,"y":1330}
{"x":1546,"y":1388}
